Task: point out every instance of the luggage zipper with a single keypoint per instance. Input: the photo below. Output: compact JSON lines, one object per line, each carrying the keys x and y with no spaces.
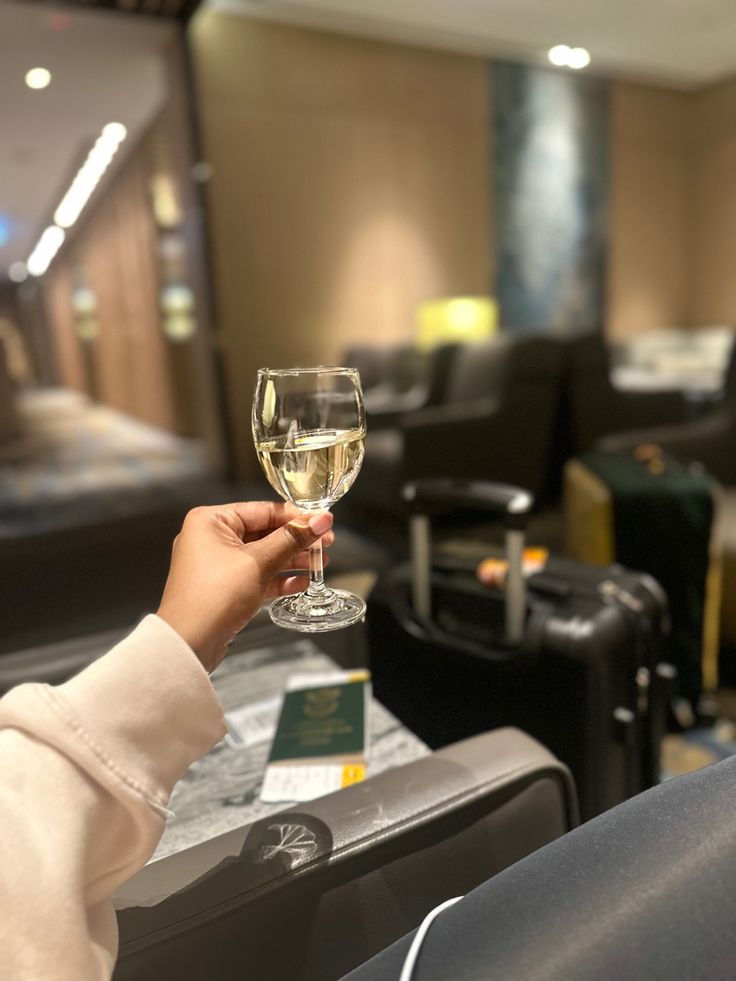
{"x":610,"y":590}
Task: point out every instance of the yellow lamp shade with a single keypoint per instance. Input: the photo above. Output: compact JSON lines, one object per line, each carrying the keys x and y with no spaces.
{"x":456,"y":319}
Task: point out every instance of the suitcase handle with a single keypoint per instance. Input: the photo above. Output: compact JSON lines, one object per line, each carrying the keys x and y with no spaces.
{"x":510,"y":504}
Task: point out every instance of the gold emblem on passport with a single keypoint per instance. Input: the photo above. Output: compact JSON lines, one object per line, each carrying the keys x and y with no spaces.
{"x":320,"y":703}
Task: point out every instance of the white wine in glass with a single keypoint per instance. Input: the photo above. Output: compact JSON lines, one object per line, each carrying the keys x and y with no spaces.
{"x":308,"y":429}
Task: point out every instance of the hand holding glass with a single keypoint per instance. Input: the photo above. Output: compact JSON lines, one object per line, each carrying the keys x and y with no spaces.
{"x":309,"y":427}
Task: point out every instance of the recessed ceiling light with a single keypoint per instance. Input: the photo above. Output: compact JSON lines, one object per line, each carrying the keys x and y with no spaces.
{"x":559,"y":55}
{"x":563,"y":56}
{"x":18,"y":272}
{"x":38,"y":78}
{"x":578,"y":58}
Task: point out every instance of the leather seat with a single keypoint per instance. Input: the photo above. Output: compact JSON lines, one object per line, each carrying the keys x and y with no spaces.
{"x":373,"y":859}
{"x":498,"y":421}
{"x":596,"y":408}
{"x":371,"y":361}
{"x":413,"y":380}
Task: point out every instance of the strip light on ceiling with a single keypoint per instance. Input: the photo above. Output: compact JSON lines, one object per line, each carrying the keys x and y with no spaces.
{"x":87,"y":179}
{"x":90,"y":174}
{"x":47,"y":247}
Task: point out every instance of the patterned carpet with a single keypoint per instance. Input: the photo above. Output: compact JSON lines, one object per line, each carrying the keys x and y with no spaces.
{"x":698,"y":747}
{"x":79,"y":459}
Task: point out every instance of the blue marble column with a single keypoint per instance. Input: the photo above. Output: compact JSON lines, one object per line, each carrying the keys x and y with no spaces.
{"x":550,"y":151}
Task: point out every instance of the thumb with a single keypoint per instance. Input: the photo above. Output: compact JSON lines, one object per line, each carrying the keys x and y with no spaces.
{"x":273,"y":551}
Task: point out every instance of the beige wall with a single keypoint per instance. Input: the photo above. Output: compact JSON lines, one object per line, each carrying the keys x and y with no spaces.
{"x":713,"y":127}
{"x":650,"y":248}
{"x":351,"y":181}
{"x":673,"y":208}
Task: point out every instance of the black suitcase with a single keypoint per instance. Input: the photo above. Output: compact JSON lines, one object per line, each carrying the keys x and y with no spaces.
{"x":575,"y":654}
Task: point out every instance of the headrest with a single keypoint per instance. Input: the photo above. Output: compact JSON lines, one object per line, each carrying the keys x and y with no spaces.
{"x":484,"y":369}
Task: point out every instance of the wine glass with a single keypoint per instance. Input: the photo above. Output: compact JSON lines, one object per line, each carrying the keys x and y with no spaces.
{"x":309,"y":428}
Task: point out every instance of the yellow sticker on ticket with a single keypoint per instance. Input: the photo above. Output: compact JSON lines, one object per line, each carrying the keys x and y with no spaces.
{"x":352,"y":773}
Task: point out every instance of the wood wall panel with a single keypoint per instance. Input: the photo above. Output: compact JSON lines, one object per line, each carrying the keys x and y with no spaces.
{"x":115,"y":250}
{"x":673,"y":234}
{"x":60,"y":316}
{"x":713,"y":128}
{"x":651,"y":209}
{"x":351,"y":182}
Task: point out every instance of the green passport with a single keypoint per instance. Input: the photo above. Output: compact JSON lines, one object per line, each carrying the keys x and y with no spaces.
{"x":316,"y":722}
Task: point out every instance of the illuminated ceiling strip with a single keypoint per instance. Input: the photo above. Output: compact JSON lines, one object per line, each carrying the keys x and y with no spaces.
{"x":89,"y":174}
{"x":87,"y":179}
{"x":47,"y":247}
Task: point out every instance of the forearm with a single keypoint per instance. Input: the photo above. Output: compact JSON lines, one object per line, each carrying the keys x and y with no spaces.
{"x":87,"y":769}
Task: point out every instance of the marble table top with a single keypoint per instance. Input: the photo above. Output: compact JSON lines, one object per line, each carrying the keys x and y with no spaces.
{"x":221,"y":791}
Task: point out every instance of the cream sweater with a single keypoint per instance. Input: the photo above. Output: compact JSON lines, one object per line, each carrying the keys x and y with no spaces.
{"x":86,"y":770}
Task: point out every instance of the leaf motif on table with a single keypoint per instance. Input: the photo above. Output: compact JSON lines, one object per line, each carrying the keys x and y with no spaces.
{"x":294,"y":840}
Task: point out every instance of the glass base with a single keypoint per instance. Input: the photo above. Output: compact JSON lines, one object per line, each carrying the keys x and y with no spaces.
{"x":335,"y":610}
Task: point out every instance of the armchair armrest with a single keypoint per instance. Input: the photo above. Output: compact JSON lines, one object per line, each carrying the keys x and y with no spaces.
{"x":708,"y":441}
{"x":438,"y":417}
{"x":312,"y":892}
{"x":667,"y":406}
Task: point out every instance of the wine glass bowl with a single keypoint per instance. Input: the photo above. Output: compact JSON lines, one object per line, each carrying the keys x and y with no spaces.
{"x":308,"y":429}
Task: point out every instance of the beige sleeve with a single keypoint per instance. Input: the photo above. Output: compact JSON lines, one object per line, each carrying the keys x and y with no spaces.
{"x":86,"y":770}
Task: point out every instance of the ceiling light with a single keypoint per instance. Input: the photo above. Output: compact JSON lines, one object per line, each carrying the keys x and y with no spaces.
{"x":18,"y":272}
{"x":114,"y":132}
{"x":38,"y":78}
{"x":578,"y":58}
{"x":563,"y":56}
{"x":559,"y":55}
{"x":89,"y":174}
{"x":46,"y":248}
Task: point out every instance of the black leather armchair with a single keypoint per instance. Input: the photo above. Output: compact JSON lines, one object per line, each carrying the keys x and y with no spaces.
{"x":596,"y":408}
{"x":373,"y":860}
{"x":413,"y":380}
{"x":709,"y":440}
{"x":371,"y":361}
{"x":498,"y":421}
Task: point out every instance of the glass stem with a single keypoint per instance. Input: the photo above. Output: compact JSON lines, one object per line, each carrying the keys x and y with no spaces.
{"x":316,"y":589}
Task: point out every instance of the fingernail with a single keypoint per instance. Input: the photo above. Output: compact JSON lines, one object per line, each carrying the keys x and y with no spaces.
{"x":320,"y":523}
